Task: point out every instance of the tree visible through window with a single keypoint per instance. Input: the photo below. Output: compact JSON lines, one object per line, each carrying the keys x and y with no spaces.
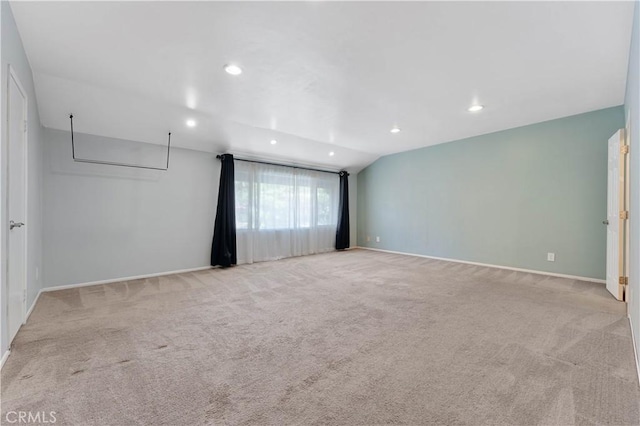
{"x":277,"y":197}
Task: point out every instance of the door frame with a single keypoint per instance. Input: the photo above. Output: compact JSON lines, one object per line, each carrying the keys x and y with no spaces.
{"x":627,"y":197}
{"x":620,"y":216}
{"x":623,"y":226}
{"x":11,"y":74}
{"x":625,"y":163}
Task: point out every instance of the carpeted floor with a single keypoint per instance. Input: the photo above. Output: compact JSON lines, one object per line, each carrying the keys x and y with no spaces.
{"x":356,"y":338}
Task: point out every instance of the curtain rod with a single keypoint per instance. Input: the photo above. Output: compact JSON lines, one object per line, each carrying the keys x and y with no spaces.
{"x":284,"y":165}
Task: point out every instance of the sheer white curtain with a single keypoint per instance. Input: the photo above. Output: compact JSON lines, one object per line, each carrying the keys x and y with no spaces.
{"x":283,"y":212}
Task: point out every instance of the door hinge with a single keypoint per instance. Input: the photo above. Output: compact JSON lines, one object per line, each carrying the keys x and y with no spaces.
{"x":624,"y":149}
{"x":623,"y":280}
{"x":624,"y":214}
{"x":25,"y":126}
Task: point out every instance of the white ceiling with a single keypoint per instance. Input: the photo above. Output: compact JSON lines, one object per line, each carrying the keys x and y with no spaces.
{"x":320,"y":76}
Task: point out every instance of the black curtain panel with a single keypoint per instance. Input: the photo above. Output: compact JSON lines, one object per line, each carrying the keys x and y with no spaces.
{"x":223,"y":248}
{"x":342,"y":234}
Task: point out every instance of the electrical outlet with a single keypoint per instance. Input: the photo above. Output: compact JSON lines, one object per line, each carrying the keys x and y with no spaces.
{"x":551,"y":257}
{"x":377,"y":239}
{"x":368,"y":238}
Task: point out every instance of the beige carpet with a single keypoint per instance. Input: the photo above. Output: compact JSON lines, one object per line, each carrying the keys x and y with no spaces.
{"x":357,"y":337}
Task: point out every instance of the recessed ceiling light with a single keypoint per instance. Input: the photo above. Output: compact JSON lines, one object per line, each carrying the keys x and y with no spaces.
{"x":396,"y":129}
{"x":331,"y":154}
{"x":475,"y":108}
{"x":191,"y":123}
{"x":273,"y":141}
{"x":233,"y":69}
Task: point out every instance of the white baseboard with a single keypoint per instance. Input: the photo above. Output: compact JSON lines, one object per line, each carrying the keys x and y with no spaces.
{"x":26,"y":317}
{"x":5,"y":355}
{"x":114,"y":280}
{"x":530,"y":271}
{"x":33,"y":305}
{"x":635,"y":352}
{"x":117,"y":280}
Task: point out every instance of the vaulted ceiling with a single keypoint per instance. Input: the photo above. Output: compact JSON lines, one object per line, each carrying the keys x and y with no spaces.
{"x":320,"y":77}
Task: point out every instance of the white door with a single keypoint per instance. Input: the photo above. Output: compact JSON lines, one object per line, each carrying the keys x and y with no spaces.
{"x":17,"y":133}
{"x":613,"y":217}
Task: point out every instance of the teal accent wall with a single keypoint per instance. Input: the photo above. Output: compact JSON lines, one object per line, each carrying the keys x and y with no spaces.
{"x":505,"y":198}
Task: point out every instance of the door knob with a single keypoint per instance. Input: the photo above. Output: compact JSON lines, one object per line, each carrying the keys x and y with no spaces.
{"x":605,"y":222}
{"x":13,"y":224}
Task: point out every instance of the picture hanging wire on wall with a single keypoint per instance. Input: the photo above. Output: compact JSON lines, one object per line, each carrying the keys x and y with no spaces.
{"x":111,"y":163}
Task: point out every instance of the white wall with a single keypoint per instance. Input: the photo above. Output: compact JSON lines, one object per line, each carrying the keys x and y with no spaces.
{"x":632,"y":113}
{"x":106,"y":222}
{"x":13,"y":54}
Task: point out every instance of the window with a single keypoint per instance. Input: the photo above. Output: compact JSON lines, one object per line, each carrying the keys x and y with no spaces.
{"x":294,"y":210}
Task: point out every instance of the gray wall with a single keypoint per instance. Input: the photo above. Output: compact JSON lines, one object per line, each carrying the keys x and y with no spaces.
{"x":632,"y":114}
{"x":13,"y":54}
{"x":505,"y":198}
{"x":106,"y":222}
{"x":353,"y":209}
